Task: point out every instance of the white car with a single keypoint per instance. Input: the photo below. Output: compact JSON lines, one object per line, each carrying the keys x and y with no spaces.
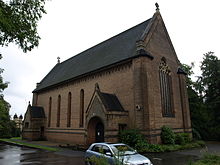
{"x":114,"y":154}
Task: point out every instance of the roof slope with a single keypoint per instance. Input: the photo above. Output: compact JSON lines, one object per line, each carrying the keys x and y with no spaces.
{"x":111,"y":102}
{"x":37,"y":112}
{"x":113,"y":50}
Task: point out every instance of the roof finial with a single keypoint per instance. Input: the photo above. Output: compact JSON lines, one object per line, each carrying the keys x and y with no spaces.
{"x":58,"y":60}
{"x":97,"y":86}
{"x":157,"y":6}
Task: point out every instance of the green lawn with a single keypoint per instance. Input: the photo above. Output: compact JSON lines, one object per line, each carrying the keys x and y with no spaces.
{"x":208,"y":159}
{"x":15,"y":141}
{"x":170,"y":147}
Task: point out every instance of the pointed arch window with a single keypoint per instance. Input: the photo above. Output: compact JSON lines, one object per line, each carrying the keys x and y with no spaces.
{"x":58,"y":110}
{"x":81,"y":117}
{"x":49,"y":111}
{"x":166,"y":89}
{"x":69,"y":109}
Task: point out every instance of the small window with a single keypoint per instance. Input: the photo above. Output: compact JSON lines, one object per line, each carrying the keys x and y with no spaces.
{"x":58,"y":110}
{"x":26,"y":124}
{"x":49,"y":112}
{"x":69,"y":109}
{"x":81,"y":117}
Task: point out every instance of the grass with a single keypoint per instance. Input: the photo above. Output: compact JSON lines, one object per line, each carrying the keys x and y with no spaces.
{"x":16,"y":138}
{"x":170,"y":148}
{"x":208,"y":159}
{"x":191,"y":145}
{"x":16,"y":142}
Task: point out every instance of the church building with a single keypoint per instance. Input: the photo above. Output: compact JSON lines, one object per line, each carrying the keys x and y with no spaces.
{"x":130,"y":81}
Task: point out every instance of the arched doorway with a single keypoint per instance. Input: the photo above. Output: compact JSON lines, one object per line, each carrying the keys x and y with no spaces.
{"x":95,"y":130}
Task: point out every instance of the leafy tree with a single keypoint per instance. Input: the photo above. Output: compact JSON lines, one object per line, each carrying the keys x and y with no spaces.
{"x":18,"y":22}
{"x":210,"y":81}
{"x":5,"y":125}
{"x":199,"y":116}
{"x":204,"y":97}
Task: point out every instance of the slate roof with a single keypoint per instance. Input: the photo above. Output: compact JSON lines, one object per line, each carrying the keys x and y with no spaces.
{"x":111,"y":102}
{"x":111,"y":51}
{"x":37,"y":112}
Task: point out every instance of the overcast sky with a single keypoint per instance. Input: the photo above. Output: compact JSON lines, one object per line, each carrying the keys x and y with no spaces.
{"x":70,"y":27}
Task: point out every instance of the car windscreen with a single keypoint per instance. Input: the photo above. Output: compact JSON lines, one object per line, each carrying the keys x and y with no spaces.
{"x":123,"y":150}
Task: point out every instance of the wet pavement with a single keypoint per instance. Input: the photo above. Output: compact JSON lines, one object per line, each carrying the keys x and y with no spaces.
{"x":16,"y":155}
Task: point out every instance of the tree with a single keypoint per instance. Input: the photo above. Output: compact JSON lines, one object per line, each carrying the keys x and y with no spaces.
{"x":204,"y":97}
{"x":197,"y":111}
{"x":210,"y":80}
{"x":5,"y":123}
{"x":18,"y":22}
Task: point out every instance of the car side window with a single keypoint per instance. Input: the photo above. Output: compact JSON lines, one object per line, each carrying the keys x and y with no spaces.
{"x":106,"y":149}
{"x":96,"y":148}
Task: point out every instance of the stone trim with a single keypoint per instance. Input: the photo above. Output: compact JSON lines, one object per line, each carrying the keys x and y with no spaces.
{"x":29,"y":131}
{"x":82,"y":133}
{"x":64,"y":129}
{"x":159,"y":129}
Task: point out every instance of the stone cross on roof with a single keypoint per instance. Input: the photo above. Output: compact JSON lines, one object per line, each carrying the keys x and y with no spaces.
{"x":58,"y":60}
{"x":157,"y":6}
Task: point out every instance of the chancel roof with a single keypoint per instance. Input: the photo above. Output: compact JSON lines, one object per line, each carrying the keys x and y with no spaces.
{"x":111,"y":51}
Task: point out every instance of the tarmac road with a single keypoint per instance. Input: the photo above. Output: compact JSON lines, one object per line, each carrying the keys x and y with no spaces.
{"x":16,"y":155}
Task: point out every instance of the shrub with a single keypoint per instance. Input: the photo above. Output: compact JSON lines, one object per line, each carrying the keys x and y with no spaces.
{"x":179,"y":139}
{"x":186,"y":137}
{"x":131,"y":137}
{"x":155,"y":148}
{"x":167,"y":135}
{"x":182,"y":138}
{"x":142,"y":146}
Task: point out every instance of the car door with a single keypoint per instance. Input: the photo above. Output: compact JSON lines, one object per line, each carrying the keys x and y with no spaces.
{"x":108,"y":154}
